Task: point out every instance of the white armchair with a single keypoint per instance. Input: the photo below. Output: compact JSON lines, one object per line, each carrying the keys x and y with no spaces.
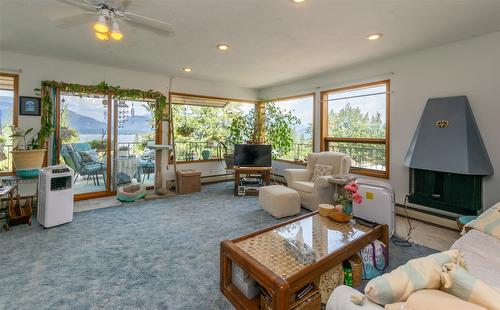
{"x":320,"y":191}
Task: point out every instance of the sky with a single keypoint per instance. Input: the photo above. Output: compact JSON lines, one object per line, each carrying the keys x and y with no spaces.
{"x":368,"y":104}
{"x":302,"y":107}
{"x":93,"y":107}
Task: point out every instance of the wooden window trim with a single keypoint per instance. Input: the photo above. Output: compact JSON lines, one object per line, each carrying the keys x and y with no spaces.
{"x":288,"y":161}
{"x":313,"y":122}
{"x":15,"y":111}
{"x":324,"y":138}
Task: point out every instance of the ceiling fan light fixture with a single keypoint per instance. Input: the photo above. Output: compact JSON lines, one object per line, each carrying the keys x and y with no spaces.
{"x":101,"y":25}
{"x":116,"y":34}
{"x":103,"y":36}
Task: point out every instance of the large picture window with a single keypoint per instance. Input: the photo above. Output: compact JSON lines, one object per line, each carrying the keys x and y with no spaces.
{"x":205,"y":127}
{"x":9,"y":85}
{"x":355,"y":121}
{"x":302,"y":107}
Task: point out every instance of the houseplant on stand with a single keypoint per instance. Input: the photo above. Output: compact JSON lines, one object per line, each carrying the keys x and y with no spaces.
{"x":27,"y":156}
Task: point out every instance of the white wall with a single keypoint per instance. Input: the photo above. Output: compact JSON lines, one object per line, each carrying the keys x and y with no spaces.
{"x":470,"y":67}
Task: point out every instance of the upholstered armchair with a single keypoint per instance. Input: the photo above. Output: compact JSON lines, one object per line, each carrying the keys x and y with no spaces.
{"x":320,"y":191}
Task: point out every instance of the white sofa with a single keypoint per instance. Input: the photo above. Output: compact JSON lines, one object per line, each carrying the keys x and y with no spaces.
{"x":321,"y":191}
{"x":481,"y":253}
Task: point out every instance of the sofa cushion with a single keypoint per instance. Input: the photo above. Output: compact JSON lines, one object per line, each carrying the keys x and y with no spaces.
{"x":438,"y":300}
{"x":488,"y":222}
{"x":321,"y":171}
{"x":460,"y":283}
{"x":89,"y":156}
{"x":481,"y":255}
{"x":417,"y":274}
{"x":303,"y":186}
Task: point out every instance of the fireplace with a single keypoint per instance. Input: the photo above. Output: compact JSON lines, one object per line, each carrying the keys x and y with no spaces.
{"x":447,"y":158}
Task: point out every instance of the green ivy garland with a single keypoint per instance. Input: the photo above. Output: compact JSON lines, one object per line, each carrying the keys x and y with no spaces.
{"x":157,"y":107}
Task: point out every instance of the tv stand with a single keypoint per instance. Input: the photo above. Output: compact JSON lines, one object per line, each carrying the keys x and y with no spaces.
{"x":265,"y":173}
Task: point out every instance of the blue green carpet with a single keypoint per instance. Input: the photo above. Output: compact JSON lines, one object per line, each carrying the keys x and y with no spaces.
{"x":161,"y":254}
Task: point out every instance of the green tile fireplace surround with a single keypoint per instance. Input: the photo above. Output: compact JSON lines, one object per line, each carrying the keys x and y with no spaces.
{"x":457,"y":193}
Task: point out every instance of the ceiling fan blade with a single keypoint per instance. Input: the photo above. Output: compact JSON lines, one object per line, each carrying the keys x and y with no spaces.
{"x":125,"y":4}
{"x":82,"y":4}
{"x":75,"y":20}
{"x":148,"y":24}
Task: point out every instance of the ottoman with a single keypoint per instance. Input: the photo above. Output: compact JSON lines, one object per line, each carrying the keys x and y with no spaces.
{"x":279,"y":201}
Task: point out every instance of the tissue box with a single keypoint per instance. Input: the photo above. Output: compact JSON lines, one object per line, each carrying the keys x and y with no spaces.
{"x":303,"y":253}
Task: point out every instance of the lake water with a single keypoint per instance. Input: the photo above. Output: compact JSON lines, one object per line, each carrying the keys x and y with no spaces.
{"x":121,"y":138}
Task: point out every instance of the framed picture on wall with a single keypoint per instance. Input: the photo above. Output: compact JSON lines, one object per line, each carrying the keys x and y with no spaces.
{"x":29,"y":106}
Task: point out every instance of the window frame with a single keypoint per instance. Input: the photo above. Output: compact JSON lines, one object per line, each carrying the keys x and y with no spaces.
{"x":15,"y":112}
{"x":325,"y":139}
{"x":313,"y":94}
{"x":172,"y":94}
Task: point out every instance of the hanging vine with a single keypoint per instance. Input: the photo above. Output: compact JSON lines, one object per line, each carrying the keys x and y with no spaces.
{"x":155,"y":100}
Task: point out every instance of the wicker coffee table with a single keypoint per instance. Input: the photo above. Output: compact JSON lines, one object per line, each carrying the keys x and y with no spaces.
{"x":263,"y":256}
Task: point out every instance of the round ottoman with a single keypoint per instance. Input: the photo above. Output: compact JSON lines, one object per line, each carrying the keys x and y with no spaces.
{"x":131,"y":192}
{"x":279,"y":201}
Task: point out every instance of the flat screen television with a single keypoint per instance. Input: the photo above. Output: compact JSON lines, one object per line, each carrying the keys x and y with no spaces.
{"x":252,"y":155}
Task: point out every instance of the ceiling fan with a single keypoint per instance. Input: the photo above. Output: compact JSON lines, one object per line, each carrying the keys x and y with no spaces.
{"x":108,"y":13}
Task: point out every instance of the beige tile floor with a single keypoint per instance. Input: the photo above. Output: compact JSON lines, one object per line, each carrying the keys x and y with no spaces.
{"x":429,"y":235}
{"x":97,"y":203}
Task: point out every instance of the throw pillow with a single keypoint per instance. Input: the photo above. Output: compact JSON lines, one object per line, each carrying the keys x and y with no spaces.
{"x":321,"y":170}
{"x":460,"y":283}
{"x":488,"y":222}
{"x":417,"y":274}
{"x":89,"y":156}
{"x":438,"y":300}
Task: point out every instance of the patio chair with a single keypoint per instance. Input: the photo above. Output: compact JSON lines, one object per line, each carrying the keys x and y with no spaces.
{"x":72,"y":157}
{"x":147,"y":163}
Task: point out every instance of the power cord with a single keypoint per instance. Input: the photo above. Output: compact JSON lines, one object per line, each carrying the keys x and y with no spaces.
{"x":405,"y":243}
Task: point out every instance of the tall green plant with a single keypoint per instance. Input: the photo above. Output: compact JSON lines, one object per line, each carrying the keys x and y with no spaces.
{"x":279,"y":129}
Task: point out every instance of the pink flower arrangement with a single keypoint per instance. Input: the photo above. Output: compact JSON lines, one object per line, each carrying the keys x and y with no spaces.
{"x":352,"y":193}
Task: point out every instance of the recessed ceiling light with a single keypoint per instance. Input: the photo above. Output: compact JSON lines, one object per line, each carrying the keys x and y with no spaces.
{"x":223,"y":47}
{"x":297,"y":1}
{"x":374,"y":36}
{"x":187,"y":69}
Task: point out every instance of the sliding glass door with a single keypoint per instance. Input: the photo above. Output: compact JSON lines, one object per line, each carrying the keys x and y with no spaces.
{"x":105,"y":140}
{"x":84,"y":140}
{"x":133,"y":124}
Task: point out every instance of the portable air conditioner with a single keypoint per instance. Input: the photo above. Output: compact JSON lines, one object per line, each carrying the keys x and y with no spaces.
{"x":55,"y":196}
{"x":378,"y":203}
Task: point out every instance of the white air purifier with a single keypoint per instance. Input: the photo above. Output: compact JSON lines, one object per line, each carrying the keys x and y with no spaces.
{"x":55,"y":196}
{"x":378,"y":203}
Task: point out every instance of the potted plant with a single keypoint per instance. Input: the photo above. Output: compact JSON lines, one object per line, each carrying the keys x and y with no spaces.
{"x":185,"y":130}
{"x":28,"y":156}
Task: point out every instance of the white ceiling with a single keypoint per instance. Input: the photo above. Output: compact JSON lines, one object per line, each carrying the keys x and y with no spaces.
{"x":272,"y":41}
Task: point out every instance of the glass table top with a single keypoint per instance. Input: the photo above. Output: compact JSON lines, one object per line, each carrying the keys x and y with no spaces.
{"x":322,"y":234}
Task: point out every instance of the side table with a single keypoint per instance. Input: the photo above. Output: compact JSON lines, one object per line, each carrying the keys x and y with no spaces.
{"x":265,"y":172}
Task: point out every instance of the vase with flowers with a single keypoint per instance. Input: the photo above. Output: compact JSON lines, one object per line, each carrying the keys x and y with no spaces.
{"x":342,"y":212}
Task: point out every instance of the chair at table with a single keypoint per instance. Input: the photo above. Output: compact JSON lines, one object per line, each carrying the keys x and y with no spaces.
{"x":147,"y":163}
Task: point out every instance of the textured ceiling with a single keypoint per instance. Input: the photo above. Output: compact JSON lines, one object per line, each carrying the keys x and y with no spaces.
{"x":272,"y":41}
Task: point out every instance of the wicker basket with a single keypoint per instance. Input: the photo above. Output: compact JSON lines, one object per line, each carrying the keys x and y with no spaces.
{"x":329,"y":281}
{"x":357,"y":270}
{"x":28,"y":159}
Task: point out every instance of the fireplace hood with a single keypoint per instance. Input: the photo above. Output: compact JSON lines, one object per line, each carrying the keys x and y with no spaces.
{"x":447,"y":139}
